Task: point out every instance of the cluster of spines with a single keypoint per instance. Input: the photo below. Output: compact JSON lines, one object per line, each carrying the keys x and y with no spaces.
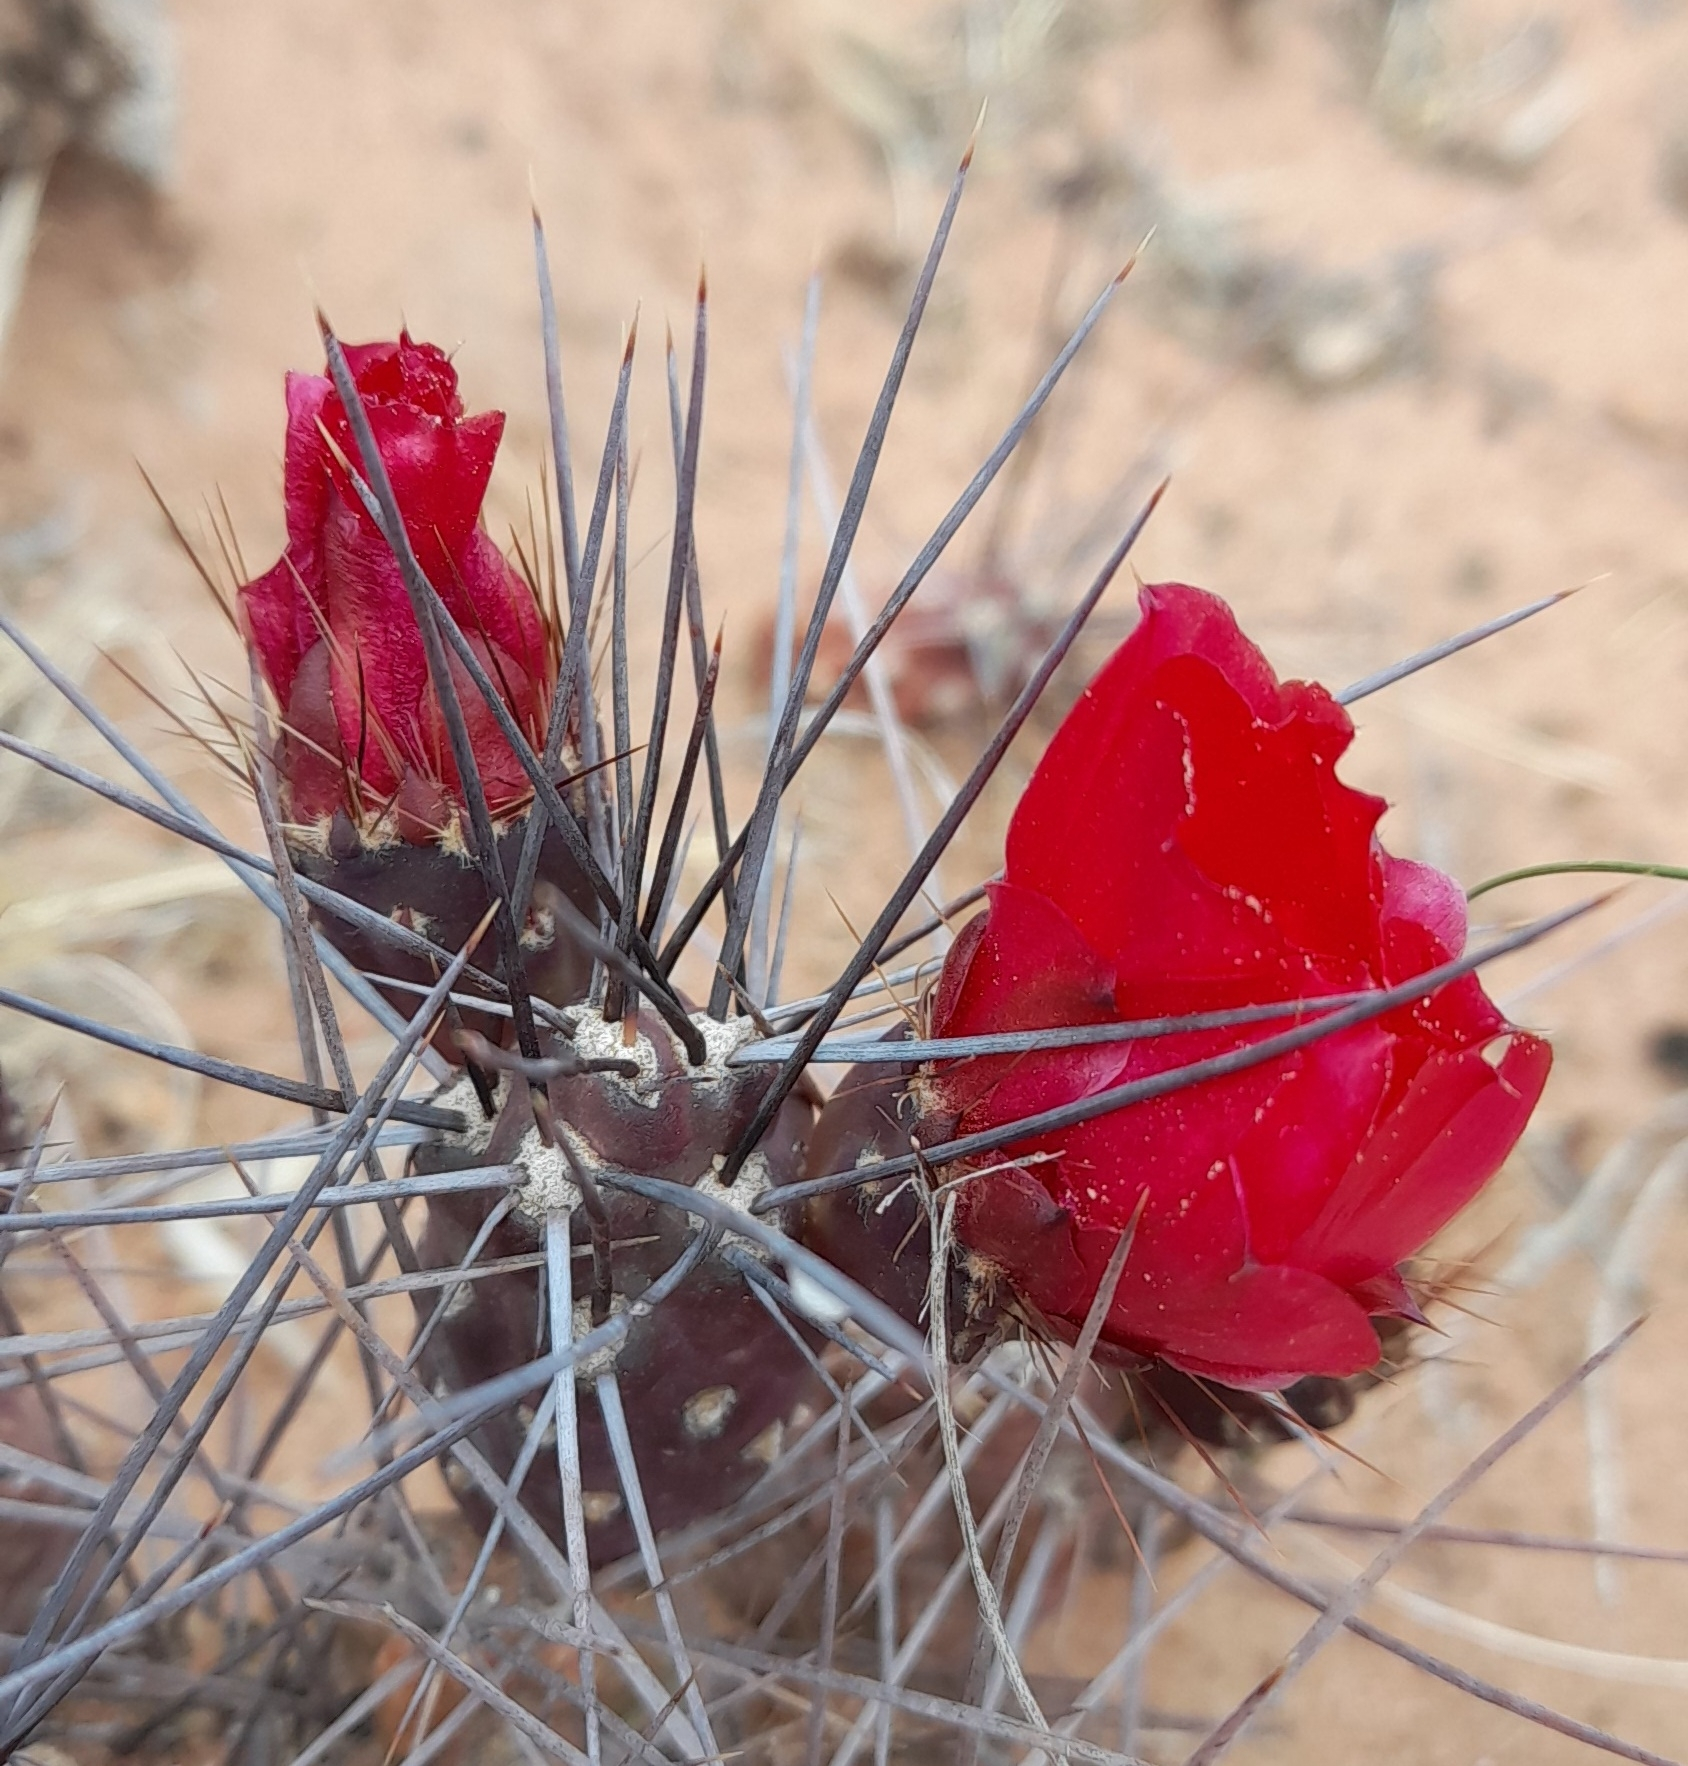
{"x":609,"y":841}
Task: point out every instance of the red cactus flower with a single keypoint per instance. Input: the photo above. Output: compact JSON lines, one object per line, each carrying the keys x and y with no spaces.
{"x":331,"y":623}
{"x":1185,"y":846}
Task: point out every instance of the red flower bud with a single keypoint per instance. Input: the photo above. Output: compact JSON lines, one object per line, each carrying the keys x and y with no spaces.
{"x":1185,"y":846}
{"x":331,"y":623}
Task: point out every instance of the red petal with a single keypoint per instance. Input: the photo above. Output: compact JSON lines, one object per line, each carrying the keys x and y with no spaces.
{"x":1266,"y":1329}
{"x":1187,"y":818}
{"x":1420,"y":895}
{"x":340,"y":573}
{"x":305,"y":471}
{"x":379,"y":667}
{"x":1299,"y":1150}
{"x":1166,"y":1164}
{"x":1436,"y":1149}
{"x":1262,"y":1328}
{"x":277,"y":624}
{"x":503,"y":778}
{"x":948,"y":996}
{"x":416,"y":374}
{"x":279,"y":619}
{"x":309,"y":761}
{"x":1186,"y":836}
{"x":490,"y":600}
{"x":439,"y":474}
{"x":1028,"y":967}
{"x":1025,"y":968}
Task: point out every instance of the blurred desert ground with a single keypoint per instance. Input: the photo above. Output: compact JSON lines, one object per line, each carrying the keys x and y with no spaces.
{"x":1409,"y":336}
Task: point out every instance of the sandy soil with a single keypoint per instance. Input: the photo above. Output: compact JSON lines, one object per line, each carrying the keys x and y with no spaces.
{"x":1409,"y":336}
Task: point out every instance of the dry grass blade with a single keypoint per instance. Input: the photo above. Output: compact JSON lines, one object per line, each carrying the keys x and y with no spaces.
{"x":1036,"y":1458}
{"x":990,"y":1605}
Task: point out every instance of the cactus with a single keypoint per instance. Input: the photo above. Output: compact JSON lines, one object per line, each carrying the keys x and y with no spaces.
{"x":670,"y":1311}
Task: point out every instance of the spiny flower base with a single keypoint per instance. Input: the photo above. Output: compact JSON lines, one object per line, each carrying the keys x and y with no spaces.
{"x":435,"y":889}
{"x":878,"y":1233}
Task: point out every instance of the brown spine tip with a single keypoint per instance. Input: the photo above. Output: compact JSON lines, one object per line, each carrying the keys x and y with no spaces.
{"x":703,"y":285}
{"x":1131,"y":262}
{"x":973,"y":139}
{"x":179,"y":535}
{"x":632,"y":339}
